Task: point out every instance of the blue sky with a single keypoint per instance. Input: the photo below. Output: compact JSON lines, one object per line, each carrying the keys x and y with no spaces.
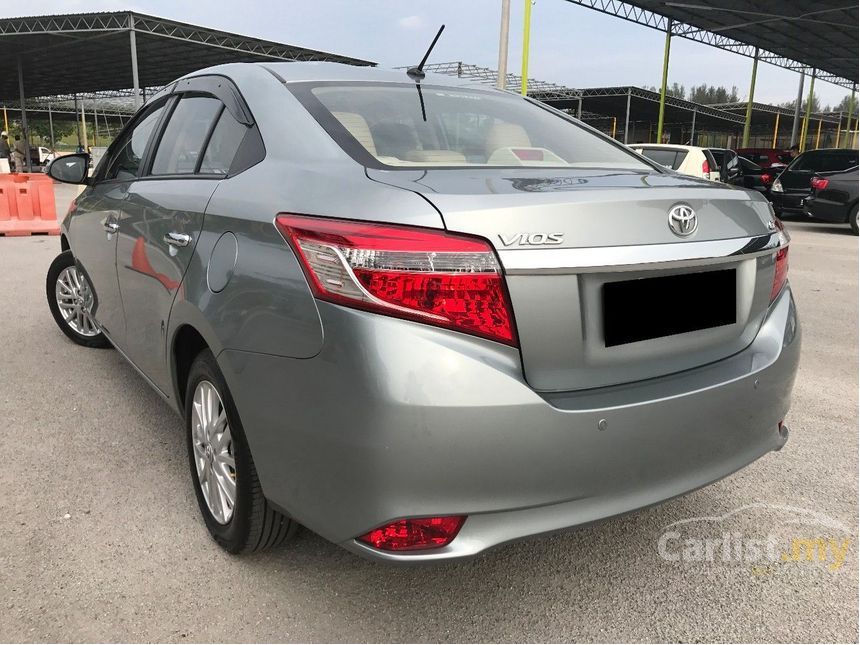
{"x":571,"y":45}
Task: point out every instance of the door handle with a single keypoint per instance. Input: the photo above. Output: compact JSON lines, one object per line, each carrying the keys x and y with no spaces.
{"x":177,"y":239}
{"x":110,"y":225}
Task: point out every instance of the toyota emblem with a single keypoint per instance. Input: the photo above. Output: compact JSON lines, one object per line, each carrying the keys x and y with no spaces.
{"x":683,"y":220}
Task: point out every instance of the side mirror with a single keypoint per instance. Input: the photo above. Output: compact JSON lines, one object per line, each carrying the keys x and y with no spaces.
{"x":70,"y":169}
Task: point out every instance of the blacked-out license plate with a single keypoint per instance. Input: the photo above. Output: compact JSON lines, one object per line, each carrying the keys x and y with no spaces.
{"x":636,"y":310}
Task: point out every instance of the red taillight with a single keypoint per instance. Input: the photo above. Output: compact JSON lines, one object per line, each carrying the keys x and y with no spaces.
{"x":415,"y":534}
{"x":434,"y":277}
{"x":780,"y":272}
{"x":766,"y":179}
{"x":819,"y":183}
{"x":706,"y":168}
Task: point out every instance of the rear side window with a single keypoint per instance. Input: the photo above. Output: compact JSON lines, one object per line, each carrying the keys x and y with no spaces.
{"x":718,"y":156}
{"x":185,"y":135}
{"x":125,"y":163}
{"x":223,"y":145}
{"x":825,"y":161}
{"x":668,"y":158}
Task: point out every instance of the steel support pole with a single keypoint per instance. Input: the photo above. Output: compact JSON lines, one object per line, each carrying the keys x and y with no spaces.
{"x":95,"y":124}
{"x":51,"y":127}
{"x":775,"y":130}
{"x":748,"y":120}
{"x":796,"y":125}
{"x":5,"y":121}
{"x":627,"y":117}
{"x":527,"y":25}
{"x":77,"y":123}
{"x":504,"y":29}
{"x":693,"y":128}
{"x":665,"y":79}
{"x":850,"y":115}
{"x":805,"y":130}
{"x":579,"y":109}
{"x":838,"y":130}
{"x":86,"y":143}
{"x":25,"y":131}
{"x":135,"y":79}
{"x":818,"y":135}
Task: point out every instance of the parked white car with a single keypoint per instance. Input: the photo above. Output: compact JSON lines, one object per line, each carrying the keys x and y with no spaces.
{"x":688,"y":160}
{"x":46,"y":155}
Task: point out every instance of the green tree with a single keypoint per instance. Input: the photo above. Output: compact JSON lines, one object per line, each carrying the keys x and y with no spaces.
{"x":675,"y":89}
{"x":816,"y":104}
{"x":711,"y":95}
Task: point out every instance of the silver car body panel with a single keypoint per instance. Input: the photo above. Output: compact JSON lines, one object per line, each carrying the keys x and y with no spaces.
{"x":355,"y":419}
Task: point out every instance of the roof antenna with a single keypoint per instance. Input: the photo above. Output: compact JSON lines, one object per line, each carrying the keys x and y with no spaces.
{"x":418,"y":72}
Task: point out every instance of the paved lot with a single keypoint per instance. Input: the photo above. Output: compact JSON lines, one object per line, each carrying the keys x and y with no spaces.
{"x":100,"y":538}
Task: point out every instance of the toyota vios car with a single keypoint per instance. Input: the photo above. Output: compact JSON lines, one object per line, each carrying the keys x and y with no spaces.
{"x":424,"y":318}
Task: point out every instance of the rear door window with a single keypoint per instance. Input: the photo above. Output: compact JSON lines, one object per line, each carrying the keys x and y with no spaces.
{"x":181,"y":145}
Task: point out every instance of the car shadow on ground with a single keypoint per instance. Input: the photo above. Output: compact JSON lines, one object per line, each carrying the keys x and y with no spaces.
{"x":817,"y":225}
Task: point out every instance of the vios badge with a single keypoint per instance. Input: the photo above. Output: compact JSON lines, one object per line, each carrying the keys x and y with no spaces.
{"x":683,"y":220}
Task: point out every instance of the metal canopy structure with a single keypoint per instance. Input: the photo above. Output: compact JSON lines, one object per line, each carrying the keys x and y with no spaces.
{"x":112,"y":53}
{"x":763,"y":113}
{"x":622,"y":105}
{"x":801,"y":35}
{"x":92,"y":52}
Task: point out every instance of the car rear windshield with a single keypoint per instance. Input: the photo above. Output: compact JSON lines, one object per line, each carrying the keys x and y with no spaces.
{"x":400,"y":126}
{"x":668,"y":157}
{"x":825,"y":160}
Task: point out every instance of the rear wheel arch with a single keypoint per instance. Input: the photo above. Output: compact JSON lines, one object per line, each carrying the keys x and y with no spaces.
{"x":187,"y":345}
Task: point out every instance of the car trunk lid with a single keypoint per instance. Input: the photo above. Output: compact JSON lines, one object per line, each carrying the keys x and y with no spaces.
{"x":563,"y":236}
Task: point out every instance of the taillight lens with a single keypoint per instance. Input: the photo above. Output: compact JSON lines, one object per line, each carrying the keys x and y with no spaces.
{"x":766,"y":179}
{"x":780,"y":272}
{"x":434,"y":277}
{"x":706,"y":169}
{"x":415,"y":534}
{"x":819,"y":183}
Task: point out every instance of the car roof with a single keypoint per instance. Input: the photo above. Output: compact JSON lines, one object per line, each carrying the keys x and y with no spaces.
{"x":327,"y":72}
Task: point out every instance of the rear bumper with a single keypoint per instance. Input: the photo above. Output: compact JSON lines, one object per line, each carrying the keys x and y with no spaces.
{"x":826,"y":210}
{"x":788,"y":202}
{"x":394,"y":419}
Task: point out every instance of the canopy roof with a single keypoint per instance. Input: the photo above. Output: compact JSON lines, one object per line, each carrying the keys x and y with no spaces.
{"x":803,"y":35}
{"x":91,"y":52}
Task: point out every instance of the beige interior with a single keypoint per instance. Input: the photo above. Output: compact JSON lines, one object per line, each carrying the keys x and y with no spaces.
{"x":506,"y":135}
{"x":358,"y":128}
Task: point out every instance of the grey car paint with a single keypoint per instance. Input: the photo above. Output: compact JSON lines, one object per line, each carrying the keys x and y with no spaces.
{"x":355,"y":419}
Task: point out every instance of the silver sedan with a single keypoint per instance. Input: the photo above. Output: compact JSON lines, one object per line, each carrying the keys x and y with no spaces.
{"x":423,"y":317}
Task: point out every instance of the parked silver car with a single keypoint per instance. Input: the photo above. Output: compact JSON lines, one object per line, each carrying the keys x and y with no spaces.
{"x":424,"y":318}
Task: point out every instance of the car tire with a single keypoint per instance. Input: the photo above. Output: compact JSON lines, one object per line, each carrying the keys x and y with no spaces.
{"x":219,"y":456}
{"x":70,"y":299}
{"x":852,"y":220}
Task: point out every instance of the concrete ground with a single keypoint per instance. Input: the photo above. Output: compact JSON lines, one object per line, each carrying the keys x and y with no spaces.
{"x":100,"y":537}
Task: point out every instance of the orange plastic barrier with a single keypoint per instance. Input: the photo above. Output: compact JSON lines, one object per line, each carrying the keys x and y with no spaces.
{"x":27,"y":205}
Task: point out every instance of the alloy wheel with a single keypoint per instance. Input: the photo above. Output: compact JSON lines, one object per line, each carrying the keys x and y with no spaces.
{"x":213,"y":452}
{"x":75,"y":300}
